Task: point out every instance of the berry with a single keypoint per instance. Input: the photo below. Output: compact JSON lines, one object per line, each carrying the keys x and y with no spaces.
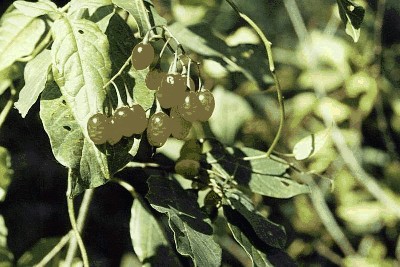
{"x":190,"y":107}
{"x":191,"y":149}
{"x":114,"y":136}
{"x":158,"y":129}
{"x":171,"y":91}
{"x":98,"y":128}
{"x":188,"y":168}
{"x":207,"y":105}
{"x":140,"y":120}
{"x":142,"y":56}
{"x":180,"y":127}
{"x":154,"y":78}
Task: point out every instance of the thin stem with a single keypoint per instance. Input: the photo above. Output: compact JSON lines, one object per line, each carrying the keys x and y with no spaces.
{"x":72,"y":218}
{"x":42,"y":45}
{"x":345,"y":152}
{"x":271,"y":64}
{"x":63,"y":241}
{"x":118,"y":73}
{"x":7,"y":108}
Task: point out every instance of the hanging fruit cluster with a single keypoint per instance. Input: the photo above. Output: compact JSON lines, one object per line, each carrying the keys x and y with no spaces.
{"x":178,"y":101}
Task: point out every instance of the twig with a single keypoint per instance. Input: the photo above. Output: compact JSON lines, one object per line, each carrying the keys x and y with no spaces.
{"x":271,"y":64}
{"x":325,"y":251}
{"x":7,"y":108}
{"x":72,"y":218}
{"x":345,"y":152}
{"x":118,"y":73}
{"x":63,"y":241}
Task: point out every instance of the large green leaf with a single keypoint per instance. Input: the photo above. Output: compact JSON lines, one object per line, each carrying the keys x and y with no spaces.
{"x":35,"y":76}
{"x":148,"y":240}
{"x":352,"y":16}
{"x":18,"y":36}
{"x":265,"y":176}
{"x":143,"y":12}
{"x":258,"y":258}
{"x":81,"y":66}
{"x":36,"y":9}
{"x":77,"y":7}
{"x":268,"y":232}
{"x":90,"y":167}
{"x":193,"y":232}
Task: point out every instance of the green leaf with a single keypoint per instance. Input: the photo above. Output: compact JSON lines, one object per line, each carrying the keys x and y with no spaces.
{"x":193,"y":232}
{"x":261,"y":228}
{"x":5,"y":172}
{"x":36,"y":9}
{"x":148,"y":240}
{"x":265,"y":176}
{"x":143,"y":12}
{"x":141,"y":94}
{"x":6,"y":257}
{"x":258,"y":258}
{"x":37,"y":252}
{"x":9,"y":74}
{"x":18,"y":36}
{"x":352,"y":16}
{"x":231,"y":111}
{"x":35,"y":76}
{"x":90,"y":167}
{"x":77,"y":6}
{"x":81,"y":66}
{"x":310,"y":145}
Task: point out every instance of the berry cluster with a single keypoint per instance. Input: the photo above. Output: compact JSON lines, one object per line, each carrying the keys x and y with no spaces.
{"x":126,"y":121}
{"x":177,"y":100}
{"x":180,"y":104}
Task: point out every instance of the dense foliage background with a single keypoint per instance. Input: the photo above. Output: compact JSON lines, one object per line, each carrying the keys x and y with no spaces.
{"x":345,"y":220}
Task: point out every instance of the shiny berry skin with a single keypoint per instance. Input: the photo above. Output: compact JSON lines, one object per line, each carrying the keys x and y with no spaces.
{"x":171,"y":91}
{"x":189,"y":108}
{"x":98,"y":128}
{"x":154,"y":78}
{"x":180,"y":127}
{"x":123,"y":117}
{"x":207,"y":105}
{"x":139,"y":120}
{"x":114,"y":136}
{"x":142,"y":56}
{"x":158,"y":129}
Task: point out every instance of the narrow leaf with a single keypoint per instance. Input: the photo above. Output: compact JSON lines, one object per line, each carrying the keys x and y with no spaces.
{"x":35,"y":76}
{"x":6,"y":172}
{"x":148,"y":240}
{"x":36,"y":9}
{"x":18,"y":36}
{"x":193,"y":232}
{"x":310,"y":145}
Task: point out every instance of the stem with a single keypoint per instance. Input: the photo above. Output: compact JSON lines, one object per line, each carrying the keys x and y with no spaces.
{"x":7,"y":108}
{"x":64,"y":240}
{"x":345,"y":152}
{"x":42,"y":45}
{"x":271,"y":64}
{"x":72,"y":218}
{"x":118,"y":73}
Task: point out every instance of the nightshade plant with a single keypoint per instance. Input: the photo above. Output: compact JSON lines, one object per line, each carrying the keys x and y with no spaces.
{"x":95,"y":73}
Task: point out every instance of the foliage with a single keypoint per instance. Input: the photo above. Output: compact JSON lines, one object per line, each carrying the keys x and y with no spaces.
{"x":75,"y":61}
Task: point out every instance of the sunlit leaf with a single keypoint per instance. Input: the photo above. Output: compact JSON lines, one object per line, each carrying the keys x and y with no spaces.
{"x":148,"y":239}
{"x":77,"y":6}
{"x":19,"y":35}
{"x":193,"y":232}
{"x":35,"y":76}
{"x":6,"y":256}
{"x":310,"y":145}
{"x":142,"y":95}
{"x":36,"y":9}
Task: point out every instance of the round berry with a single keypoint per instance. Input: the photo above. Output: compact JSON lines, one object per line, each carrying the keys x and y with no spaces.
{"x":123,"y":121}
{"x":188,"y":168}
{"x":139,"y":121}
{"x":180,"y":127}
{"x":142,"y":56}
{"x":207,"y":105}
{"x":114,"y":136}
{"x":191,"y":149}
{"x":158,"y":129}
{"x":171,"y":91}
{"x":189,"y":108}
{"x":98,"y":128}
{"x":154,"y":78}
